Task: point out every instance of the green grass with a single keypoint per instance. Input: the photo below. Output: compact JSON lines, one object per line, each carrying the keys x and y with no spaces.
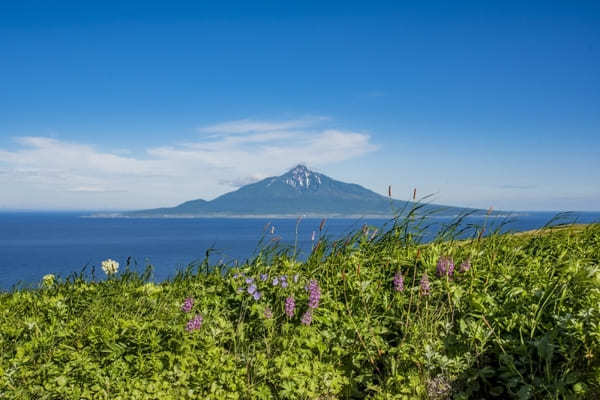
{"x":523,"y":322}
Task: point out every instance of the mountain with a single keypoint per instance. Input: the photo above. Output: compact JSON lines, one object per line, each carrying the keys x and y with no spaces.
{"x":299,"y":191}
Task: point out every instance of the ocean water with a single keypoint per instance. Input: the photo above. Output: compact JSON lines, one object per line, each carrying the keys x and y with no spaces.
{"x":35,"y":244}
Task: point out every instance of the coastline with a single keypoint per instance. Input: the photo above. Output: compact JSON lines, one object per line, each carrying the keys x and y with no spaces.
{"x":289,"y":216}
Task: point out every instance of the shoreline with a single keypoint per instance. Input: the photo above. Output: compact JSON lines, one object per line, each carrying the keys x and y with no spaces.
{"x":292,"y":216}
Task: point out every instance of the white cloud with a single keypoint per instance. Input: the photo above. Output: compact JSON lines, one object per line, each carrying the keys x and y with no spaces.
{"x":245,"y":180}
{"x":249,"y":125}
{"x":93,"y":189}
{"x":47,"y":172}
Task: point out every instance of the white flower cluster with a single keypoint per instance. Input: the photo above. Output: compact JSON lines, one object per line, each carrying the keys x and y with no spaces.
{"x":110,"y":266}
{"x":48,"y":279}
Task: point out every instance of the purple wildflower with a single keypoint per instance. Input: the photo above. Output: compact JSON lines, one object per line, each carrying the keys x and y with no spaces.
{"x":290,"y":306}
{"x":249,"y":280}
{"x":275,"y":281}
{"x":268,"y":313}
{"x":314,"y":294}
{"x":252,"y":289}
{"x":264,"y":277}
{"x":307,"y":317}
{"x":194,"y":324}
{"x":398,"y":282}
{"x":425,"y":285}
{"x":187,"y":305}
{"x":235,"y":276}
{"x":257,"y":295}
{"x":466,"y":265}
{"x":445,"y":266}
{"x":283,"y":281}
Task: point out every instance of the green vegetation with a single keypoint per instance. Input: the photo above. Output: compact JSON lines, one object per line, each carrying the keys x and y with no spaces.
{"x":520,"y":320}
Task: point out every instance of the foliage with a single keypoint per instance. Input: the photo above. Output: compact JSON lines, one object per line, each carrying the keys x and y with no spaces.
{"x":521,"y":321}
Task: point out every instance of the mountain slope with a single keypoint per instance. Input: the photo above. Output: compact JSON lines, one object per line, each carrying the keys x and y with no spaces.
{"x":300,"y":191}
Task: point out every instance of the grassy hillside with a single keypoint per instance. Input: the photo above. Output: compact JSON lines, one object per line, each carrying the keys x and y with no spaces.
{"x":507,"y":316}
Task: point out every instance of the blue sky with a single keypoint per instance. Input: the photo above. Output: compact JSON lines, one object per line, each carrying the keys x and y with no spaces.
{"x":143,"y":104}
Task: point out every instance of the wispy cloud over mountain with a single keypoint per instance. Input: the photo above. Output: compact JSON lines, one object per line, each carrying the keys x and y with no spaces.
{"x":251,"y":125}
{"x":43,"y":171}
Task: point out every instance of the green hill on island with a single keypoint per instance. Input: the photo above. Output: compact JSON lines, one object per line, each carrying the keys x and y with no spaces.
{"x":299,"y":191}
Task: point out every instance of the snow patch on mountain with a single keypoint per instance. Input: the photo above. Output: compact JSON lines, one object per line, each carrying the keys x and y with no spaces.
{"x":302,"y":178}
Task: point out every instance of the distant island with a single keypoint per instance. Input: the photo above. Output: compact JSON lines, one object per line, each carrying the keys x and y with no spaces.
{"x":298,"y":192}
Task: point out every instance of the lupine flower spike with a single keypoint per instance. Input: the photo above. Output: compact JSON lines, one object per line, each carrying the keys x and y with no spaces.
{"x":290,"y":306}
{"x":283,"y":280}
{"x":252,"y":289}
{"x":445,"y":266}
{"x":187,"y":305}
{"x":466,"y":265}
{"x":425,"y":285}
{"x":194,"y":324}
{"x":307,"y":317}
{"x":314,"y":294}
{"x":398,"y":282}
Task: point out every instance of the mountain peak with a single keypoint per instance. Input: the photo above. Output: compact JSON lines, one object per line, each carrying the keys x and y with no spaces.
{"x":302,"y":178}
{"x":300,"y":168}
{"x":299,"y":191}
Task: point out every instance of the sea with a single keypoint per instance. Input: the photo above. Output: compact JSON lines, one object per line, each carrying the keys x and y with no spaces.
{"x":33,"y":244}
